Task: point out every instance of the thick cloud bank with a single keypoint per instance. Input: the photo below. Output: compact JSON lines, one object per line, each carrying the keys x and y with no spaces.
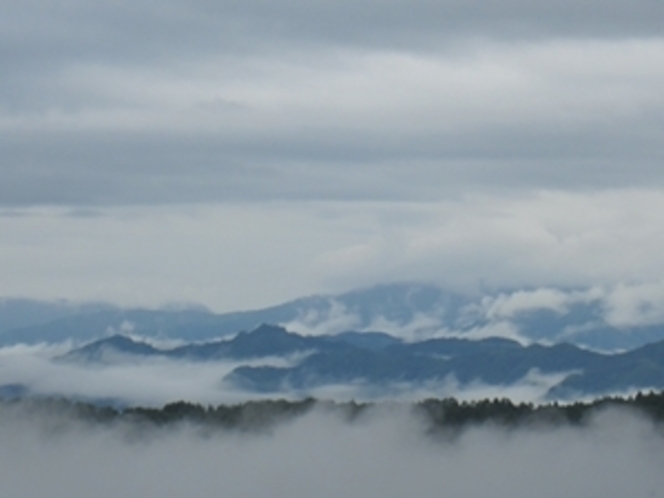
{"x":383,"y":454}
{"x":232,"y":257}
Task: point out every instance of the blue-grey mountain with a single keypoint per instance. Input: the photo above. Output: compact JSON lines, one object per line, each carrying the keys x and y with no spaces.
{"x":380,"y":361}
{"x":416,"y":311}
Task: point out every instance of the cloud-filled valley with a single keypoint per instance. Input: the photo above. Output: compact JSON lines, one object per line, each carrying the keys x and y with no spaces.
{"x":388,"y":449}
{"x":127,"y":381}
{"x":399,"y":341}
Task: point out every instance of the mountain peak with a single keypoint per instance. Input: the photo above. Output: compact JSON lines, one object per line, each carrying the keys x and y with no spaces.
{"x":266,"y":329}
{"x":114,"y":344}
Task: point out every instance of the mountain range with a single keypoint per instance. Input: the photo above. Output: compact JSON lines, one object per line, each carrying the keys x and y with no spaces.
{"x":378,"y":361}
{"x":573,"y":342}
{"x":411,"y":311}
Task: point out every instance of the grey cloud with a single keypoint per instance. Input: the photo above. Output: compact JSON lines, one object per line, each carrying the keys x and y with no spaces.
{"x":148,"y":102}
{"x":131,"y":170}
{"x":152,"y":29}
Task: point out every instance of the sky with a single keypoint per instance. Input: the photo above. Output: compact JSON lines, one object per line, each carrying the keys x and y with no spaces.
{"x":240,"y":154}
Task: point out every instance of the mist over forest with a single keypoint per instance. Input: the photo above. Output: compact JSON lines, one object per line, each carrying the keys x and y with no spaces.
{"x":383,"y":451}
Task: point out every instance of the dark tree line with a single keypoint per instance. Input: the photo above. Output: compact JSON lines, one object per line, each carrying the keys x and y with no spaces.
{"x":438,"y":414}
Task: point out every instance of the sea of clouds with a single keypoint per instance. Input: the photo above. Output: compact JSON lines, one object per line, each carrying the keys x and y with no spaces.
{"x":126,"y":380}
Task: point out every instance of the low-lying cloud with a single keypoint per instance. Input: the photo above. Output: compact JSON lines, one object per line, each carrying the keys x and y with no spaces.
{"x":621,"y":307}
{"x":386,"y":453}
{"x":130,"y":381}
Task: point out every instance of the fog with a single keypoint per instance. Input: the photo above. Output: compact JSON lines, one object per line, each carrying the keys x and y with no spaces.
{"x":385,"y":453}
{"x":151,"y":381}
{"x":123,"y":380}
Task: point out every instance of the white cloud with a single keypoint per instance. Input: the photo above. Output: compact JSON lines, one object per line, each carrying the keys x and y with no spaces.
{"x":330,"y":319}
{"x":241,"y":256}
{"x":629,"y":305}
{"x":508,"y":305}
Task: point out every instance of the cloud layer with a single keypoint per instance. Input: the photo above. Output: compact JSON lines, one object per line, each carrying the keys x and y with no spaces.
{"x":313,"y":147}
{"x":125,"y":381}
{"x":199,"y":103}
{"x":384,"y":454}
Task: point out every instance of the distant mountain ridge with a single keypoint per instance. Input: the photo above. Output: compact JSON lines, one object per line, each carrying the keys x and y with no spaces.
{"x":413,"y":311}
{"x":379,"y":361}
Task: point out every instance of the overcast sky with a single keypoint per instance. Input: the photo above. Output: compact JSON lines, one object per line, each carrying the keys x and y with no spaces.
{"x":239,"y":154}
